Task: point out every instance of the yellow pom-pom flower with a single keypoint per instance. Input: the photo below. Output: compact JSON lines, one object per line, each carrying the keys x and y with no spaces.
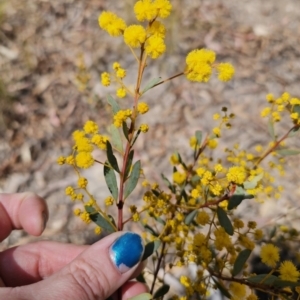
{"x":155,"y":46}
{"x":84,"y":160}
{"x":288,"y":271}
{"x":134,"y":35}
{"x":226,"y":71}
{"x":142,"y":107}
{"x":90,"y":127}
{"x":105,"y":79}
{"x":269,"y":255}
{"x":121,"y":92}
{"x":82,"y":182}
{"x":145,"y":10}
{"x":111,"y":23}
{"x":144,"y":128}
{"x":121,"y":73}
{"x":163,"y":7}
{"x":157,"y":28}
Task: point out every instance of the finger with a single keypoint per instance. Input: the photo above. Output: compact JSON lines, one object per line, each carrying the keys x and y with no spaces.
{"x":22,"y":211}
{"x":95,"y":274}
{"x":133,"y":288}
{"x":33,"y":262}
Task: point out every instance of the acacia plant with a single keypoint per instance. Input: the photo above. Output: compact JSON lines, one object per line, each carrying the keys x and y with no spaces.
{"x":190,"y":220}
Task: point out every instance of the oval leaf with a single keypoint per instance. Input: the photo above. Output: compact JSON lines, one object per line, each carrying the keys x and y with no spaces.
{"x":129,"y":163}
{"x":240,"y":261}
{"x":151,"y":84}
{"x":271,"y":129}
{"x":285,"y":283}
{"x":288,"y":152}
{"x":168,"y":183}
{"x":133,"y":179}
{"x":114,"y":105}
{"x":161,"y":291}
{"x":266,"y":279}
{"x":224,"y":221}
{"x":237,"y":198}
{"x":125,"y":130}
{"x":101,"y":221}
{"x":190,"y":217}
{"x":252,"y":184}
{"x":144,"y":296}
{"x":150,"y":248}
{"x":111,"y":158}
{"x":198,"y":135}
{"x":116,"y":138}
{"x":222,"y":288}
{"x":111,"y":180}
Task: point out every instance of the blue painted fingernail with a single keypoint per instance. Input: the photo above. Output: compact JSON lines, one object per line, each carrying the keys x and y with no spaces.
{"x":127,"y":251}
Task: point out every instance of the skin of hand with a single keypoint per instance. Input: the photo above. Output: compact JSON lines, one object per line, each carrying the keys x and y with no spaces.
{"x":51,"y":270}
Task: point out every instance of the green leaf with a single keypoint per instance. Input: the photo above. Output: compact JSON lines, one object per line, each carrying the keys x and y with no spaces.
{"x":111,"y":180}
{"x":252,"y":184}
{"x":125,"y":130}
{"x":296,"y":109}
{"x":261,"y":279}
{"x":111,"y":158}
{"x":271,"y":129}
{"x":273,"y":232}
{"x":190,"y":217}
{"x":133,"y":179}
{"x":285,"y":283}
{"x":116,"y":138}
{"x":181,"y":161}
{"x":129,"y":163}
{"x":222,"y":288}
{"x":168,"y":183}
{"x":236,"y":199}
{"x":160,"y":220}
{"x":144,"y":296}
{"x":161,"y":291}
{"x":135,"y":138}
{"x":141,"y":278}
{"x":224,"y":221}
{"x":240,"y":261}
{"x":288,"y":152}
{"x":150,"y":84}
{"x":151,"y":230}
{"x":114,"y":105}
{"x":150,"y":248}
{"x":97,"y":218}
{"x":294,"y":132}
{"x":198,"y":135}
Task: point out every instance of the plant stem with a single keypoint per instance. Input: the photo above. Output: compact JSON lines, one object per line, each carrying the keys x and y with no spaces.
{"x":157,"y":267}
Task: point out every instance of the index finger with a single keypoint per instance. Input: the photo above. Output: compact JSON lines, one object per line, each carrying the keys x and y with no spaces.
{"x":22,"y":211}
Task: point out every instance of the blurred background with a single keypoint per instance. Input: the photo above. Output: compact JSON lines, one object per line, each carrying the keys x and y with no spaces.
{"x":40,"y":105}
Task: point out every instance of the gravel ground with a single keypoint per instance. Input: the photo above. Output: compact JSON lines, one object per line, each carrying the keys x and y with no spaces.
{"x":40,"y":105}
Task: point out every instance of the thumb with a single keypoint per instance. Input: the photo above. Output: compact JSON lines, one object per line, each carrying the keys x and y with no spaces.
{"x":95,"y":274}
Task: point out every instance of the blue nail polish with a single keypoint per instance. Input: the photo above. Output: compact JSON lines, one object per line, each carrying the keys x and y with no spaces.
{"x":127,"y":251}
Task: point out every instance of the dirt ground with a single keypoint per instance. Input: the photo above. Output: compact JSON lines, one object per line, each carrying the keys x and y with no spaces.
{"x":40,"y":105}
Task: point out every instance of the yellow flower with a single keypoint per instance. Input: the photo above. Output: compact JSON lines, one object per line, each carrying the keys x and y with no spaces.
{"x":97,"y":230}
{"x":144,"y":128}
{"x":270,"y":98}
{"x":265,"y":112}
{"x":216,"y":116}
{"x":77,"y":211}
{"x":217,"y":131}
{"x":121,"y":92}
{"x":252,"y":297}
{"x":105,"y":79}
{"x":236,"y":175}
{"x":109,"y":201}
{"x":61,"y":160}
{"x":90,"y":127}
{"x":269,"y":255}
{"x":200,"y":56}
{"x":163,"y":7}
{"x":288,"y":271}
{"x":142,"y":107}
{"x":212,"y":144}
{"x":121,"y":116}
{"x":116,"y":66}
{"x":121,"y":73}
{"x":179,"y":178}
{"x":174,"y":159}
{"x":82,"y":182}
{"x":155,"y":46}
{"x":237,"y":290}
{"x":111,"y":23}
{"x":226,"y":71}
{"x":202,"y":217}
{"x":145,"y":10}
{"x":84,"y":160}
{"x":157,"y":28}
{"x":134,"y":35}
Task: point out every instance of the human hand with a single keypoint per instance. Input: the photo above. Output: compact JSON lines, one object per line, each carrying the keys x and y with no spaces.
{"x":51,"y":270}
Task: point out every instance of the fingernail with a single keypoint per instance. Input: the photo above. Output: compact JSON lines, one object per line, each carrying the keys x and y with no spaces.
{"x":127,"y":251}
